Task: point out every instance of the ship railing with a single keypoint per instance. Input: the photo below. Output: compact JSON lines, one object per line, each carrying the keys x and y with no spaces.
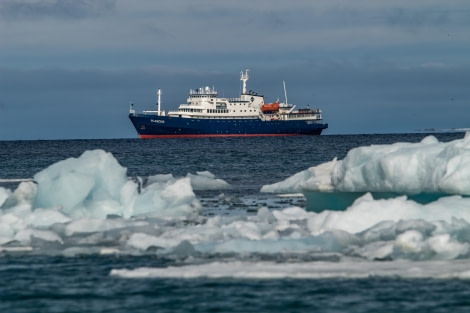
{"x":151,"y":112}
{"x":238,"y":100}
{"x":316,"y":116}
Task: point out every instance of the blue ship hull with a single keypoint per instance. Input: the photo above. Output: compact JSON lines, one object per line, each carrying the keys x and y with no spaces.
{"x":153,"y":126}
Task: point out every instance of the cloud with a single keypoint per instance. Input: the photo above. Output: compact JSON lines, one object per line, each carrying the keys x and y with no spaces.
{"x":188,"y":28}
{"x":63,"y":9}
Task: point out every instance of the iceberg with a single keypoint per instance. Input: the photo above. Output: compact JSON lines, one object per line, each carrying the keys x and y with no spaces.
{"x":424,"y":172}
{"x":96,"y":185}
{"x":83,"y":193}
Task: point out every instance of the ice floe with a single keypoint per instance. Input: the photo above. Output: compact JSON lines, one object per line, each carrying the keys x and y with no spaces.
{"x":304,"y":270}
{"x":423,"y":171}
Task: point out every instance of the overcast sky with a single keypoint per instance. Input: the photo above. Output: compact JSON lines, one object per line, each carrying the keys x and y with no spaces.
{"x":69,"y":68}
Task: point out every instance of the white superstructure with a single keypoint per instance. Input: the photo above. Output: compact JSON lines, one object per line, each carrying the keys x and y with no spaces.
{"x":204,"y":103}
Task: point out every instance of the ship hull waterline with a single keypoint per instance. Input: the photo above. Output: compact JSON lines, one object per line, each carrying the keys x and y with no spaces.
{"x":153,"y":126}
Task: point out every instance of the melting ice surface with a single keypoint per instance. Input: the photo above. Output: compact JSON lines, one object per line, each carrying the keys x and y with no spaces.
{"x":87,"y":205}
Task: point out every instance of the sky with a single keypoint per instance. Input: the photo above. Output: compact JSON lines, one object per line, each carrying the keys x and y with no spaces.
{"x":69,"y":68}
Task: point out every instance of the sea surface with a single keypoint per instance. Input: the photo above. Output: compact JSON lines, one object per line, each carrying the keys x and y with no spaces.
{"x":82,"y":282}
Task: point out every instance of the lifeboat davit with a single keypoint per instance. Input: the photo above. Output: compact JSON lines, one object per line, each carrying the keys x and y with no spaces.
{"x":269,"y":107}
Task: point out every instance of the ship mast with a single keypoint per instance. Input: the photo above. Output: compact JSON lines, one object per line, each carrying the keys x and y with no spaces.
{"x":159,"y":93}
{"x":285,"y":92}
{"x":244,"y":78}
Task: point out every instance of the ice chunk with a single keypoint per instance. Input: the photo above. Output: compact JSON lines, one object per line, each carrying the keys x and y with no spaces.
{"x":94,"y":176}
{"x":405,"y":168}
{"x":6,"y":232}
{"x":23,"y":195}
{"x":206,"y":181}
{"x":67,"y":183}
{"x":45,"y":217}
{"x":173,"y":199}
{"x":143,"y":242}
{"x":4,"y":194}
{"x":447,"y":248}
{"x":89,"y":225}
{"x":412,"y":245}
{"x":25,"y":236}
{"x":423,"y":171}
{"x":314,"y":178}
{"x":367,"y":212}
{"x":183,"y":250}
{"x":379,"y":250}
{"x":96,"y":185}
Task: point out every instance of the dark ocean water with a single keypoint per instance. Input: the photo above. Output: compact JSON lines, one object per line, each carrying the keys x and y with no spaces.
{"x":82,"y":283}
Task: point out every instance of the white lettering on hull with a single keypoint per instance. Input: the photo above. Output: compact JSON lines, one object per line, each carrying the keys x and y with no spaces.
{"x":157,"y":121}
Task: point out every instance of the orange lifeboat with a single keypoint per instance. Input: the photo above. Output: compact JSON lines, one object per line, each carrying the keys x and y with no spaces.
{"x":269,"y":107}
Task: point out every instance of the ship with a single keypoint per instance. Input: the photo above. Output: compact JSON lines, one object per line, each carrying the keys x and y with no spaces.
{"x":205,"y":114}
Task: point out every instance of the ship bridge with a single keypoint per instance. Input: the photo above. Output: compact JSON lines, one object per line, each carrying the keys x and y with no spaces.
{"x":202,"y":92}
{"x":204,"y":103}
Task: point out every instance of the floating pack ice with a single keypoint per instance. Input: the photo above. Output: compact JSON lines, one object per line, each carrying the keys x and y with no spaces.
{"x":87,"y":205}
{"x":423,"y":171}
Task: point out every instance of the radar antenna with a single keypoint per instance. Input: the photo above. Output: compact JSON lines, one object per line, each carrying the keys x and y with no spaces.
{"x":244,"y":78}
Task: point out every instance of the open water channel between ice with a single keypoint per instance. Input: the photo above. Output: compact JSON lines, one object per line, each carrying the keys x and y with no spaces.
{"x":109,"y":220}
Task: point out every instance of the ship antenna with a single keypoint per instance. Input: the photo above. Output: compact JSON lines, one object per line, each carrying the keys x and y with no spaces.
{"x":285,"y":92}
{"x":131,"y":108}
{"x":244,"y":78}
{"x":159,"y":93}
